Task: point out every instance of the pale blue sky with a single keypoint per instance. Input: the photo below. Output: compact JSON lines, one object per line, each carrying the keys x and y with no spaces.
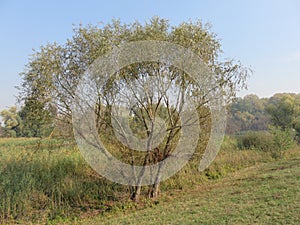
{"x":262,"y":34}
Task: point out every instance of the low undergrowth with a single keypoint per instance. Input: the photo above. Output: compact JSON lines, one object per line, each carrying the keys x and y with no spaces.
{"x":49,"y":181}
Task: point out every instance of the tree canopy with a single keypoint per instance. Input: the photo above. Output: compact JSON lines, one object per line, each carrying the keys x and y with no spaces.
{"x":282,"y":111}
{"x":248,"y":113}
{"x":54,"y":72}
{"x":12,"y":122}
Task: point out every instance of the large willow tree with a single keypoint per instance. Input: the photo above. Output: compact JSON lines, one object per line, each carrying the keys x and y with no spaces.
{"x":54,"y":72}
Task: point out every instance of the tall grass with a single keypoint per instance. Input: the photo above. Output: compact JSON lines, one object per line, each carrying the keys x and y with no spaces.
{"x":45,"y":179}
{"x":39,"y":180}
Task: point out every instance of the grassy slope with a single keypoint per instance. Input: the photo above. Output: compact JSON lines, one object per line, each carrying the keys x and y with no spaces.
{"x":263,"y":194}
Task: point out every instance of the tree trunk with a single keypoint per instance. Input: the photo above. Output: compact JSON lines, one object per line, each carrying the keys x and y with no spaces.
{"x":136,"y":193}
{"x":155,"y":191}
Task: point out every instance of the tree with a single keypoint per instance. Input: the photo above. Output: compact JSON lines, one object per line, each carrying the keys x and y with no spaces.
{"x":248,"y":113}
{"x":54,"y":72}
{"x":12,"y":122}
{"x":31,"y":121}
{"x":37,"y":121}
{"x":284,"y":110}
{"x":1,"y":131}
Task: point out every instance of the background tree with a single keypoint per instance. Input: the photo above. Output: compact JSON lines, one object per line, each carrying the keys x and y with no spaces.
{"x":37,"y":121}
{"x":1,"y":131}
{"x":13,"y":124}
{"x":284,"y":110}
{"x":248,"y":113}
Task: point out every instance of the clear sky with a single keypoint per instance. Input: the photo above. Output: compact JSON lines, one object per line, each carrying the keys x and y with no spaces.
{"x":262,"y":34}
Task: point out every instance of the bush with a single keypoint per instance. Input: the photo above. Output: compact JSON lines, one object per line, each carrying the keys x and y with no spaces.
{"x":282,"y":140}
{"x":229,"y":143}
{"x":260,"y":140}
{"x":275,"y":141}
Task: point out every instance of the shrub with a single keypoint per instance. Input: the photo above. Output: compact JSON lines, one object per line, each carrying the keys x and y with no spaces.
{"x":260,"y":140}
{"x":229,"y":143}
{"x":276,"y":141}
{"x":282,"y":140}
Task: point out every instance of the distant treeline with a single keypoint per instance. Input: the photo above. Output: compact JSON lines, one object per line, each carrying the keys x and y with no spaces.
{"x":252,"y":113}
{"x":249,"y":113}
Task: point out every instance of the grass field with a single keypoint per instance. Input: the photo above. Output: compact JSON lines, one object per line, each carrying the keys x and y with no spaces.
{"x":46,"y":181}
{"x":267,"y":193}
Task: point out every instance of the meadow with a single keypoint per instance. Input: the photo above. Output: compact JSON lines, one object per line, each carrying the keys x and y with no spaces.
{"x":267,"y":193}
{"x":47,"y":181}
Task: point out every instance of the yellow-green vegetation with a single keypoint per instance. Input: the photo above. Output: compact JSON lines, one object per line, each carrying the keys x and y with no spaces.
{"x":47,"y":180}
{"x":267,"y":193}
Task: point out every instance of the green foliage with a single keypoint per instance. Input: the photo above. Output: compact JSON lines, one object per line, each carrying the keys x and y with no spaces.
{"x":282,"y":140}
{"x":54,"y":70}
{"x":53,"y":73}
{"x":12,"y":122}
{"x":263,"y":194}
{"x":33,"y":120}
{"x":1,"y":131}
{"x":285,"y":111}
{"x":260,"y":140}
{"x":282,"y":110}
{"x":277,"y":141}
{"x":38,"y":121}
{"x":229,"y":143}
{"x":47,"y":179}
{"x":247,"y":113}
{"x":40,"y":177}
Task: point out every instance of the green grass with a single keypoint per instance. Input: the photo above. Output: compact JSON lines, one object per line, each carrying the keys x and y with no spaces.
{"x":263,"y":194}
{"x":42,"y":180}
{"x":48,"y":181}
